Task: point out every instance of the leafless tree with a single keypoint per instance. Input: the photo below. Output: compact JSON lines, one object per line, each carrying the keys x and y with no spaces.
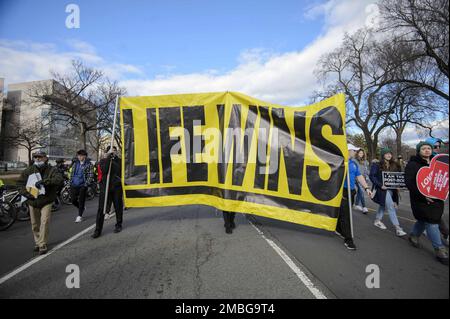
{"x":83,"y":98}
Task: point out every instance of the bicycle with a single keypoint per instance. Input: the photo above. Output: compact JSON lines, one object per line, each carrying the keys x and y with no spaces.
{"x":8,"y":213}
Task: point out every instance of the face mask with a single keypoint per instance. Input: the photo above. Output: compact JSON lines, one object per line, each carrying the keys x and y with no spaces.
{"x":39,"y":164}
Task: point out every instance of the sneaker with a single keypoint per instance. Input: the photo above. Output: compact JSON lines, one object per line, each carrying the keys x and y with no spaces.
{"x":350,"y":244}
{"x":442,"y":255}
{"x":399,"y":232}
{"x":358,"y":208}
{"x":117,"y":229}
{"x":339,"y":234}
{"x":414,"y":240}
{"x":379,"y":224}
{"x":107,"y":216}
{"x":365,"y":210}
{"x":79,"y":219}
{"x":43,"y":250}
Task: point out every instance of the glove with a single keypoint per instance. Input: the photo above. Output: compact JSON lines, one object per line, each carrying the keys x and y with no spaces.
{"x":39,"y":184}
{"x":28,"y":195}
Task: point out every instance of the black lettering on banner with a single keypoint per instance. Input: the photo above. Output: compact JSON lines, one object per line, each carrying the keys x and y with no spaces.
{"x":222,"y":164}
{"x":328,"y":152}
{"x":153,"y":149}
{"x":293,"y":156}
{"x":196,"y":172}
{"x":263,"y":139}
{"x":168,"y":117}
{"x":134,"y":174}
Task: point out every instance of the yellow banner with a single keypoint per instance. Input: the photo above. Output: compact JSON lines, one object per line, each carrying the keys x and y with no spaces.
{"x":235,"y":153}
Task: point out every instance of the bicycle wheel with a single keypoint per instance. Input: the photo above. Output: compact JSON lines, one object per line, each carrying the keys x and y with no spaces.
{"x":7,"y":215}
{"x":65,"y":196}
{"x":56,"y":204}
{"x":23,"y":212}
{"x":90,"y":194}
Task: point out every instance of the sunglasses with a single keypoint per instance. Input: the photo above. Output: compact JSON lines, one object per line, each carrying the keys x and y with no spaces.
{"x":436,"y":146}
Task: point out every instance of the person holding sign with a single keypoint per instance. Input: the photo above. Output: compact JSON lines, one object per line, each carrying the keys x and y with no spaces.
{"x":387,"y":199}
{"x":427,"y":211}
{"x":44,"y":190}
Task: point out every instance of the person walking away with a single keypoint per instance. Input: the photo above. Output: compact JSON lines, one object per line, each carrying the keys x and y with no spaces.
{"x":427,"y":211}
{"x":115,"y":193}
{"x":228,"y":218}
{"x":40,"y":206}
{"x":387,"y":199}
{"x":81,"y":176}
{"x":437,"y":146}
{"x":363,"y":165}
{"x":343,"y":226}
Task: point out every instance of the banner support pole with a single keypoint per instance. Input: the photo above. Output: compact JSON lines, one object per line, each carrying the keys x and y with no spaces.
{"x":349,"y":198}
{"x":110,"y":149}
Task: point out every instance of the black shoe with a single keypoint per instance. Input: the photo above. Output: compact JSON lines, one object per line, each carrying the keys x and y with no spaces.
{"x":36,"y":249}
{"x":96,"y":234}
{"x":350,"y":244}
{"x":118,"y":229}
{"x":42,"y":250}
{"x":228,"y":230}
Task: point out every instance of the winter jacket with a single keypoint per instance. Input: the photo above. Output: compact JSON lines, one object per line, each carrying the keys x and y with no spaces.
{"x":376,"y":178}
{"x":115,"y":177}
{"x":88,"y":171}
{"x":51,"y":178}
{"x":422,"y":210}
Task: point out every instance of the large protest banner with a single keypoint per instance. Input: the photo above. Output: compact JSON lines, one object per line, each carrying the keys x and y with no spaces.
{"x":235,"y":153}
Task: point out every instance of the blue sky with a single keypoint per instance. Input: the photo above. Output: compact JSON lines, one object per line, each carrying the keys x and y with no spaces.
{"x":166,"y":36}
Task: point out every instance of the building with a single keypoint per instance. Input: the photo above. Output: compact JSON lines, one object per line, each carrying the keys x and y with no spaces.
{"x":18,"y":111}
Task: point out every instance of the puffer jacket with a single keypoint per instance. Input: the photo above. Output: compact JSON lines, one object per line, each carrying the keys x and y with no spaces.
{"x":88,"y":172}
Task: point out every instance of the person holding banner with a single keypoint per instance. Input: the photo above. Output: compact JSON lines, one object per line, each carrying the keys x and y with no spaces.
{"x":427,"y":211}
{"x":343,"y":227}
{"x":111,"y":165}
{"x":387,"y":199}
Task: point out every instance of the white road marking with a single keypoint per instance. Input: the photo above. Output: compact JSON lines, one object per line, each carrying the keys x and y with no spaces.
{"x":300,"y":274}
{"x":39,"y":258}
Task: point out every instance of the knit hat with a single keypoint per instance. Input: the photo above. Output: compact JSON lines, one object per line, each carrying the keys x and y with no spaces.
{"x":422,"y":143}
{"x":384,"y":151}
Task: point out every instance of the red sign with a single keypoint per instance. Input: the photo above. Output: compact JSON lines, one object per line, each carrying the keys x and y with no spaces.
{"x":432,"y":180}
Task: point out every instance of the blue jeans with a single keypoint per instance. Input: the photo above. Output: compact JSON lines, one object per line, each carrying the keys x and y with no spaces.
{"x":389,"y":206}
{"x":433,"y":233}
{"x":360,"y":200}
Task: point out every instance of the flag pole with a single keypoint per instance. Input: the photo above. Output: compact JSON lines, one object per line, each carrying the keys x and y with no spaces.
{"x":349,"y":198}
{"x":110,"y":149}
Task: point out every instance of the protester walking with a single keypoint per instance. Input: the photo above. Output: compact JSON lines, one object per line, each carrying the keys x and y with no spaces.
{"x":387,"y":199}
{"x":343,"y":227}
{"x":427,"y":211}
{"x":81,"y":176}
{"x":437,"y":146}
{"x":40,"y":205}
{"x":228,"y":218}
{"x":363,"y":165}
{"x":110,"y":164}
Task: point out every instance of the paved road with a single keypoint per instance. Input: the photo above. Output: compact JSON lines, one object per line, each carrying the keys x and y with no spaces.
{"x":183,"y":252}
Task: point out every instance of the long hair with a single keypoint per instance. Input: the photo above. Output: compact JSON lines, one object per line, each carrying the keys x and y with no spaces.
{"x":361,"y":160}
{"x":391,"y":166}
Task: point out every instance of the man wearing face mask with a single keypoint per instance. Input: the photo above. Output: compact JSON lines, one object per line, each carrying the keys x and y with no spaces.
{"x":40,"y":207}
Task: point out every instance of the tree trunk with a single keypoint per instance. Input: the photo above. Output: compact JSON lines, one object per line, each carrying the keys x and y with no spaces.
{"x":398,"y":141}
{"x":30,"y":161}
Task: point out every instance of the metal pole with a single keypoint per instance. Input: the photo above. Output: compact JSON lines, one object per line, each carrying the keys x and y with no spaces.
{"x":349,"y":198}
{"x":110,"y":149}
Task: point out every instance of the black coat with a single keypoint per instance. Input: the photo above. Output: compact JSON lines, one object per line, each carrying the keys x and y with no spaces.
{"x":115,"y":178}
{"x":422,"y":210}
{"x":377,"y":181}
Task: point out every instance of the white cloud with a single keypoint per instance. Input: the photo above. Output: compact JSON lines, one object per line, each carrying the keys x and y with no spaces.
{"x":284,"y":78}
